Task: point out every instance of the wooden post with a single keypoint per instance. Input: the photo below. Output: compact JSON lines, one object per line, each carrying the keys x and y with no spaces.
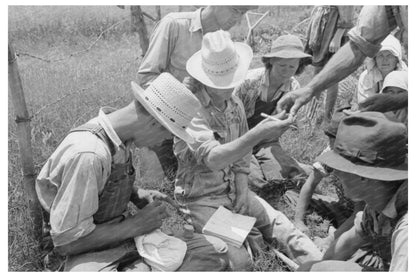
{"x":24,"y":142}
{"x":138,"y":25}
{"x":158,"y":13}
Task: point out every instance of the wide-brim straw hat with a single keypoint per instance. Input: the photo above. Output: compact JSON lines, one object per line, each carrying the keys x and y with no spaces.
{"x":221,"y":63}
{"x":170,"y":103}
{"x":287,"y":47}
{"x":371,"y":146}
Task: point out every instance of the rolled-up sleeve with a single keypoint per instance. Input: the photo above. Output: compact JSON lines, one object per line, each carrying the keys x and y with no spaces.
{"x":371,"y":29}
{"x":204,"y":141}
{"x":243,"y":164}
{"x":156,"y":59}
{"x":71,"y":214}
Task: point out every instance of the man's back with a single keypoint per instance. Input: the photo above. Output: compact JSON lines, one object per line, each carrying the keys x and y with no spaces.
{"x":175,"y":38}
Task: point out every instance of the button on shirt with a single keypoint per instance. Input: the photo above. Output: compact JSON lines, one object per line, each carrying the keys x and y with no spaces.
{"x":174,"y":40}
{"x":74,"y":175}
{"x":210,"y":128}
{"x":256,"y":84}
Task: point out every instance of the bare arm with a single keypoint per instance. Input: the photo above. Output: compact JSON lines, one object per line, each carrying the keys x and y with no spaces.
{"x":305,"y":196}
{"x":385,"y":102}
{"x":145,"y":221}
{"x":225,"y":154}
{"x":343,"y":247}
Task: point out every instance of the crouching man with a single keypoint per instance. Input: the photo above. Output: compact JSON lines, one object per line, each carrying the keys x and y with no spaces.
{"x":87,"y":182}
{"x":370,"y":158}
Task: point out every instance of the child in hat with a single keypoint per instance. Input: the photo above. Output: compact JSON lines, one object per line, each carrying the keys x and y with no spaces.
{"x":370,"y":159}
{"x":213,"y":171}
{"x":396,"y":83}
{"x":259,"y":92}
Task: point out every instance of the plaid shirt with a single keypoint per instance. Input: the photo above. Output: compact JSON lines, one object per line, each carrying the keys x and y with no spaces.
{"x":256,"y":85}
{"x":210,"y":128}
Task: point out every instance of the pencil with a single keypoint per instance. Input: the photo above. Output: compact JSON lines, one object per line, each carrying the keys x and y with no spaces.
{"x":273,"y":118}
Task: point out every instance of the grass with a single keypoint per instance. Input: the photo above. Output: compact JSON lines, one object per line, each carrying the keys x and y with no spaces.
{"x":69,"y":90}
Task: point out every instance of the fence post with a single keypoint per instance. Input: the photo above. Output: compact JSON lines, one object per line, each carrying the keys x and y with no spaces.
{"x":138,"y":25}
{"x":158,"y":13}
{"x":24,"y":142}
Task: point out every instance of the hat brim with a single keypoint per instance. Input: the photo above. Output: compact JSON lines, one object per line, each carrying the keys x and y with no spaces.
{"x":231,"y":80}
{"x":340,"y":163}
{"x":138,"y":93}
{"x":287,"y":54}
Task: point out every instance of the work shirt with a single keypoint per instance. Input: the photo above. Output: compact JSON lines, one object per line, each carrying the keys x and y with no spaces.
{"x":256,"y":85}
{"x":173,"y":41}
{"x":373,"y":25}
{"x":69,"y":184}
{"x":210,"y":128}
{"x":387,"y":230}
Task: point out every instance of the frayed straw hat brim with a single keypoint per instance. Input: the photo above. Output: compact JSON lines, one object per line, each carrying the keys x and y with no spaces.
{"x":231,"y":80}
{"x":340,"y":163}
{"x":138,"y":93}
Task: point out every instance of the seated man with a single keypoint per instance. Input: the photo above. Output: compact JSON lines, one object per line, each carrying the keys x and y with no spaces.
{"x":213,"y":171}
{"x":371,"y":169}
{"x":87,"y":182}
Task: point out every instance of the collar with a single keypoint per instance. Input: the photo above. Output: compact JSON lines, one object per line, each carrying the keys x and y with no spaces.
{"x":103,"y":120}
{"x":203,"y":97}
{"x":196,"y":23}
{"x":390,"y":209}
{"x":205,"y":100}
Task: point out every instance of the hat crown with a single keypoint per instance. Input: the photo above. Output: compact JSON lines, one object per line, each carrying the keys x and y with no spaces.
{"x":369,"y":138}
{"x":219,"y":56}
{"x":170,"y":102}
{"x":287,"y":42}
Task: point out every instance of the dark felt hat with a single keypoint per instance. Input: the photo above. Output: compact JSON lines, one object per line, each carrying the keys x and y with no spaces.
{"x":369,"y":145}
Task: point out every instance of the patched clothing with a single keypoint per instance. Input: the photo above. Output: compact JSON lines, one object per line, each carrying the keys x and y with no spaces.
{"x":374,"y":24}
{"x":173,"y":41}
{"x":387,"y":230}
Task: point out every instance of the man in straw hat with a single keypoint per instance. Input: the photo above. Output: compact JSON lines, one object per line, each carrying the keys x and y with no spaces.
{"x":374,"y":24}
{"x":176,"y":38}
{"x":213,"y":171}
{"x":86,"y":184}
{"x":370,"y":158}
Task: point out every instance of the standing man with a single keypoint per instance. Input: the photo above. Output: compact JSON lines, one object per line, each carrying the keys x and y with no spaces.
{"x":174,"y":40}
{"x":374,"y":24}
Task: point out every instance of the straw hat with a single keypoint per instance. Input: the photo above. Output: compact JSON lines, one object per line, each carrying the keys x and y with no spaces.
{"x":369,"y":145}
{"x":221,"y":63}
{"x":170,"y":102}
{"x":288,"y":47}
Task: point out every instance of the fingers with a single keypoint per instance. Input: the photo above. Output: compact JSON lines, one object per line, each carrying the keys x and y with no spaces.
{"x":285,"y":103}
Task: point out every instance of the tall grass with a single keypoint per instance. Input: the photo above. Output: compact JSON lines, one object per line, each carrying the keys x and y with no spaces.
{"x":68,"y":92}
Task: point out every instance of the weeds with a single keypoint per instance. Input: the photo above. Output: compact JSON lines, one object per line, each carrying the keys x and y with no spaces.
{"x":63,"y":94}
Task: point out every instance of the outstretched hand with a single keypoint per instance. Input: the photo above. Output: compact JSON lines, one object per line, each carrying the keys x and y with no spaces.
{"x":292,"y":101}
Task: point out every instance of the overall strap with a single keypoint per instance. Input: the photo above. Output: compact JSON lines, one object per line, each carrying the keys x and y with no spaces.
{"x":97,"y":130}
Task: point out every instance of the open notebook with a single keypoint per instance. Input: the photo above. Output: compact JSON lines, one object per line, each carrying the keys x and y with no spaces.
{"x":230,"y":227}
